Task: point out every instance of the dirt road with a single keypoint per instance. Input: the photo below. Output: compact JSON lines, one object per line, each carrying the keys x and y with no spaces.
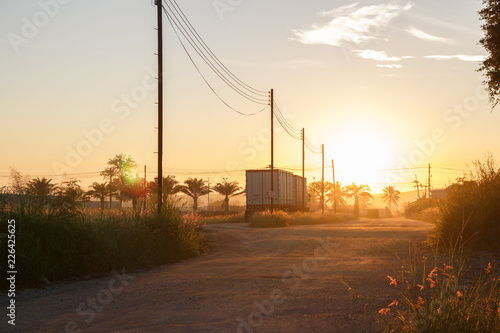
{"x":254,"y":280}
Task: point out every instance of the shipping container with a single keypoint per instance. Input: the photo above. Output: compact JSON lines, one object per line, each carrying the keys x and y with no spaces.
{"x":290,"y":191}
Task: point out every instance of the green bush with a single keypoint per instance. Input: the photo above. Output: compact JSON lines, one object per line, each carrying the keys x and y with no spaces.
{"x":269,"y":220}
{"x":471,"y":214}
{"x":60,"y":247}
{"x":424,"y":209}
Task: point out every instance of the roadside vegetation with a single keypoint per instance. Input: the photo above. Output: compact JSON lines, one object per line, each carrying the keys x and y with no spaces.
{"x":282,"y":219}
{"x":469,"y":215}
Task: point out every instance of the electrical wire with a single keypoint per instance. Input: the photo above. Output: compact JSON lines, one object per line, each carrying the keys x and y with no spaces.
{"x":203,"y":77}
{"x":213,"y":56}
{"x":191,"y":40}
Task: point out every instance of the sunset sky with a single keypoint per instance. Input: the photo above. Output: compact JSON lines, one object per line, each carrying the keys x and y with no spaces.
{"x":387,"y":86}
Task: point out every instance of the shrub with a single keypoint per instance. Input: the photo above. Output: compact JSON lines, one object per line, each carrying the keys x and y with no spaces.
{"x":62,"y":247}
{"x":471,"y":214}
{"x":444,"y":299}
{"x":318,"y":218}
{"x":424,"y":209}
{"x":269,"y":220}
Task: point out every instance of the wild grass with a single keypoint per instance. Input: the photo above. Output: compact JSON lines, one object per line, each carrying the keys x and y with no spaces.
{"x":267,"y":219}
{"x":239,"y":218}
{"x":444,"y":297}
{"x":318,"y":218}
{"x":52,"y":247}
{"x":283,"y":219}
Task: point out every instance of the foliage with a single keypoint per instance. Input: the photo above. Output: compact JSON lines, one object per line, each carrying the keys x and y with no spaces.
{"x":358,"y":192}
{"x":424,"y":209}
{"x":448,"y":298}
{"x":472,"y":206}
{"x":490,"y":14}
{"x":336,"y":194}
{"x":121,"y":173}
{"x":391,"y":196}
{"x":40,"y":192}
{"x":269,"y":220}
{"x":57,"y":247}
{"x":317,"y":218}
{"x":195,"y":188}
{"x":99,"y":191}
{"x":228,"y":189}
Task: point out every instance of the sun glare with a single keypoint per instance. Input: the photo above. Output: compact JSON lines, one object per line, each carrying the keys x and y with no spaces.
{"x":361,"y":152}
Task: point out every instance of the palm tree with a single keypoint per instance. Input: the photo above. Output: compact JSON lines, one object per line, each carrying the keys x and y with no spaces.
{"x":391,"y":196}
{"x":335,"y":194}
{"x":357,"y":192}
{"x":314,"y":190}
{"x":170,"y":187}
{"x":99,"y":191}
{"x":195,"y":188}
{"x":40,"y":190}
{"x":228,"y":189}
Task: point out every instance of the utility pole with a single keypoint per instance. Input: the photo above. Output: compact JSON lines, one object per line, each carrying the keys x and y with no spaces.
{"x":303,"y":168}
{"x":208,"y":194}
{"x":145,"y":189}
{"x":110,"y":188}
{"x":334,"y":190}
{"x":429,"y":183}
{"x":417,"y":185}
{"x":322,"y":179}
{"x":160,"y":105}
{"x":272,"y":151}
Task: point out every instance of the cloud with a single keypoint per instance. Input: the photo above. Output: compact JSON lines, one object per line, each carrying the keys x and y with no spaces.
{"x":457,"y":56}
{"x":390,"y":66}
{"x":428,"y":37}
{"x":351,"y":24}
{"x":375,"y":55}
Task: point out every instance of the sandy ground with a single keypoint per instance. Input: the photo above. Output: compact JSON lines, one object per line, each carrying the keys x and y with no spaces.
{"x":253,"y":280}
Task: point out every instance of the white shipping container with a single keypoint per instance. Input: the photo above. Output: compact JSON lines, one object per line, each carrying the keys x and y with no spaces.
{"x":286,"y":189}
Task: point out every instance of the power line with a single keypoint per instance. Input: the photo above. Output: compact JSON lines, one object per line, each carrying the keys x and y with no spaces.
{"x":207,"y":48}
{"x":175,"y":24}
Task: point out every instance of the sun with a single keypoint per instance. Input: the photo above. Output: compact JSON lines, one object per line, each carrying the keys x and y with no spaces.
{"x":362,"y":151}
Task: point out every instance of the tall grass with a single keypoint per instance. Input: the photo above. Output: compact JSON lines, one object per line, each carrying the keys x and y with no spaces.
{"x":267,"y":219}
{"x":52,"y":247}
{"x":446,"y":297}
{"x":282,"y":219}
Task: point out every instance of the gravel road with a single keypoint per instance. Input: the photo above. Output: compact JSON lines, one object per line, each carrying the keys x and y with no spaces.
{"x":253,"y":280}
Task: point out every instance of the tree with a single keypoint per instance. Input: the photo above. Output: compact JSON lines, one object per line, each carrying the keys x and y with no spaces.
{"x":170,"y":187}
{"x":40,"y":191}
{"x":69,"y":197}
{"x":314,"y":191}
{"x":195,"y":188}
{"x":99,"y":191}
{"x":391,"y":196}
{"x":228,"y":189}
{"x":357,"y":192}
{"x":121,"y":173}
{"x":335,"y":194}
{"x":491,"y":42}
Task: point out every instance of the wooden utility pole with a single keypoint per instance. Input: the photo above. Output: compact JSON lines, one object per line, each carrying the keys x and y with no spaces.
{"x":110,"y":188}
{"x":417,"y":185}
{"x":303,"y":168}
{"x":429,"y":183}
{"x":145,"y":189}
{"x":322,"y":179}
{"x":160,"y":105}
{"x":272,"y":151}
{"x":334,"y":190}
